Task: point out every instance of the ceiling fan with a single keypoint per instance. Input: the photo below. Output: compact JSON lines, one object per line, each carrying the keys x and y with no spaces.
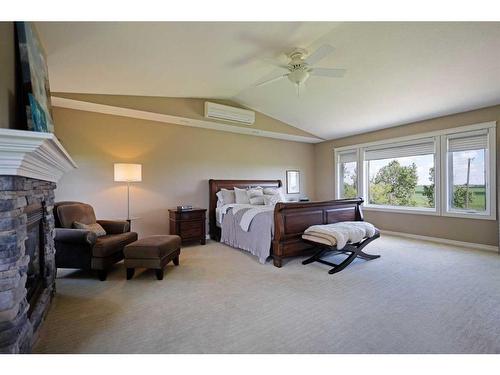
{"x":300,"y":67}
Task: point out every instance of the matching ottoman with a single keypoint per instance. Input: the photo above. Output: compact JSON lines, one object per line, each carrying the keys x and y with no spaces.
{"x":152,"y":252}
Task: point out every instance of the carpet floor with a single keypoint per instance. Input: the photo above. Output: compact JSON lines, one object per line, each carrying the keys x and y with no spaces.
{"x":419,"y":297}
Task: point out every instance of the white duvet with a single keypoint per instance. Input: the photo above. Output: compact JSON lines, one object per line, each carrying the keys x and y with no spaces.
{"x":222,"y":210}
{"x":339,"y":234}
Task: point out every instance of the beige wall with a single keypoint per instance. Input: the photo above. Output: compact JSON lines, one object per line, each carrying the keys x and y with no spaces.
{"x":184,"y":107}
{"x":7,"y":76}
{"x":469,"y":230}
{"x":177,"y":163}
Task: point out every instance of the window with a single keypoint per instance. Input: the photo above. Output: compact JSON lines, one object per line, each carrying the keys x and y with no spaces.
{"x":449,"y":172}
{"x":348,"y":174}
{"x":401,"y":175}
{"x":468,"y":170}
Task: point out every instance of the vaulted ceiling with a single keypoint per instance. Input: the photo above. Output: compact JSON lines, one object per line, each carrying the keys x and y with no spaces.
{"x":396,"y":72}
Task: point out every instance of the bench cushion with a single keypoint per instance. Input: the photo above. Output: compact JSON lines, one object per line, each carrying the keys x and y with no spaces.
{"x":340,"y":233}
{"x":153,"y":247}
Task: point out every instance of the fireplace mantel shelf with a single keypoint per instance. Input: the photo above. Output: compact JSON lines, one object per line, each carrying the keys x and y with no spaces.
{"x":33,"y":154}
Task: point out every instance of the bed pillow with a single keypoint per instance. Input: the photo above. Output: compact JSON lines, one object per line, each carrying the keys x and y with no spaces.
{"x":241,"y":196}
{"x":220,"y":198}
{"x":276,"y":191}
{"x":226,"y":196}
{"x":271,"y":199}
{"x":257,"y":200}
{"x":255,"y":192}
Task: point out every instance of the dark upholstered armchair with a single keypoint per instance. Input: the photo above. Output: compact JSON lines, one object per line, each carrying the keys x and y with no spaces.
{"x":80,"y":248}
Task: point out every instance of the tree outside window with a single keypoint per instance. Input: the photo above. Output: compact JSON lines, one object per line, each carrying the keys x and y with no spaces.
{"x":349,"y":176}
{"x":403,"y":182}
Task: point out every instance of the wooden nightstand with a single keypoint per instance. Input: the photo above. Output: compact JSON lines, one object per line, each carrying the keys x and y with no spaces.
{"x":189,"y":225}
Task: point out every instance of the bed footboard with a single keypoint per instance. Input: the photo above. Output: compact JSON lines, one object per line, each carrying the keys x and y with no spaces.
{"x":292,"y":219}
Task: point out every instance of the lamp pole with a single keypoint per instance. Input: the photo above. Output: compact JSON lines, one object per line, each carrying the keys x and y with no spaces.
{"x":126,"y":172}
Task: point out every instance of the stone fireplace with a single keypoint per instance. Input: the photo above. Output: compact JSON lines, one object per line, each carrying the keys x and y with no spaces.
{"x":30,"y":164}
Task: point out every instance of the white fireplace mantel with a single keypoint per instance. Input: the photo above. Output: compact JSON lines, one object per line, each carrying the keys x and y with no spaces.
{"x":33,"y":154}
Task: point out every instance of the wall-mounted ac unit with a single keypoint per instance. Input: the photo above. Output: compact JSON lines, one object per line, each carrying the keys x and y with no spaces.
{"x":227,"y":113}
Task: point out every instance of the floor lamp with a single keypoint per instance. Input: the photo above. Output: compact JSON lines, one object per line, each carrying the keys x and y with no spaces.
{"x":128,"y":173}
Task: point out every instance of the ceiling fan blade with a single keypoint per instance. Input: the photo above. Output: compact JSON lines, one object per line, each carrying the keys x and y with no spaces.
{"x":328,"y":72}
{"x":275,"y":63}
{"x":272,"y":80}
{"x":319,"y":54}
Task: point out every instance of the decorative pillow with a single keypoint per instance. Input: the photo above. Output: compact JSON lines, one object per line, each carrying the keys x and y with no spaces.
{"x":276,"y":191}
{"x":241,"y":196}
{"x":226,"y":196}
{"x":271,"y":199}
{"x":270,"y":191}
{"x":95,"y":227}
{"x":257,"y":200}
{"x":255,"y":192}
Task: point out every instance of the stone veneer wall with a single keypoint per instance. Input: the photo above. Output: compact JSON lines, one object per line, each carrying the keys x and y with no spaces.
{"x":17,"y":331}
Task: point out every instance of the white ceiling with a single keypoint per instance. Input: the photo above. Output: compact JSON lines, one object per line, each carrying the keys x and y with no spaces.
{"x":397,"y":72}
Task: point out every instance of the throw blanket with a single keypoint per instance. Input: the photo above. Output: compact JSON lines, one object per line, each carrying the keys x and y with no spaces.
{"x":246,"y":219}
{"x":257,"y":240}
{"x":221,"y":211}
{"x":339,"y":233}
{"x":250,"y":214}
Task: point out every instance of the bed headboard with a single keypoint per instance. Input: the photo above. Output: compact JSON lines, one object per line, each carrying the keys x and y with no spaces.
{"x":217,"y":185}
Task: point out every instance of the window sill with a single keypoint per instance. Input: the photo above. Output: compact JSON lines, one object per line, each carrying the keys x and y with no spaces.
{"x":401,"y":210}
{"x":466,"y":215}
{"x":430,"y":212}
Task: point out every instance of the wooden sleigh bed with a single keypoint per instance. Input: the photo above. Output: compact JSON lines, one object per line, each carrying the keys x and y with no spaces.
{"x":291,"y":219}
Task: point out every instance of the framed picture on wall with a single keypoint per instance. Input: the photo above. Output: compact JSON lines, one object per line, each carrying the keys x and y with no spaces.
{"x":293,"y":182}
{"x":35,"y":79}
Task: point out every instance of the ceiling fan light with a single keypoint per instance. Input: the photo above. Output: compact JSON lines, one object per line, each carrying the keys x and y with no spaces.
{"x":298,"y":77}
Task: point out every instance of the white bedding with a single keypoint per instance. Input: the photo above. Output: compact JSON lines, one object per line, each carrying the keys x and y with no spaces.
{"x":218,"y":217}
{"x":222,"y":210}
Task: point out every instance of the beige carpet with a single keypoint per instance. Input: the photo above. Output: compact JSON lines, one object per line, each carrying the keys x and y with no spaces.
{"x":420,"y":297}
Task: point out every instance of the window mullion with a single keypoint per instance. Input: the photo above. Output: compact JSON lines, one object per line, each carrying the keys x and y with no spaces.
{"x":438,"y":184}
{"x":360,"y":173}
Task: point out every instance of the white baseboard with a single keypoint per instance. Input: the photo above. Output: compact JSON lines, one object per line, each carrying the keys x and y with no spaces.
{"x":469,"y":245}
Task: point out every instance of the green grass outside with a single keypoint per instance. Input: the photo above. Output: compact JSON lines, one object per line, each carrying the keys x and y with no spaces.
{"x":478,"y":197}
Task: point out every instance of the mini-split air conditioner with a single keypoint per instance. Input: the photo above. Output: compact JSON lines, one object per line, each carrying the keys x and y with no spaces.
{"x":228,"y":113}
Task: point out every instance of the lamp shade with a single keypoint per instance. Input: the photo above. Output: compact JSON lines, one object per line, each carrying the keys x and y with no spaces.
{"x":128,"y":172}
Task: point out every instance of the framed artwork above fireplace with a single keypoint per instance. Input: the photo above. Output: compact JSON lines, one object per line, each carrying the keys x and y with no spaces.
{"x":35,"y":79}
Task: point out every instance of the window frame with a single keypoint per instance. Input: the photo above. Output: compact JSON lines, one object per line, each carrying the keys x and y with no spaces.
{"x":490,"y":169}
{"x":441,"y":169}
{"x":417,"y":210}
{"x":339,"y":179}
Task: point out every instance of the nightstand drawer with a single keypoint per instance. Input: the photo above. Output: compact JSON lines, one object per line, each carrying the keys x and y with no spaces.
{"x":190,"y":225}
{"x":197,"y":215}
{"x":191,"y":229}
